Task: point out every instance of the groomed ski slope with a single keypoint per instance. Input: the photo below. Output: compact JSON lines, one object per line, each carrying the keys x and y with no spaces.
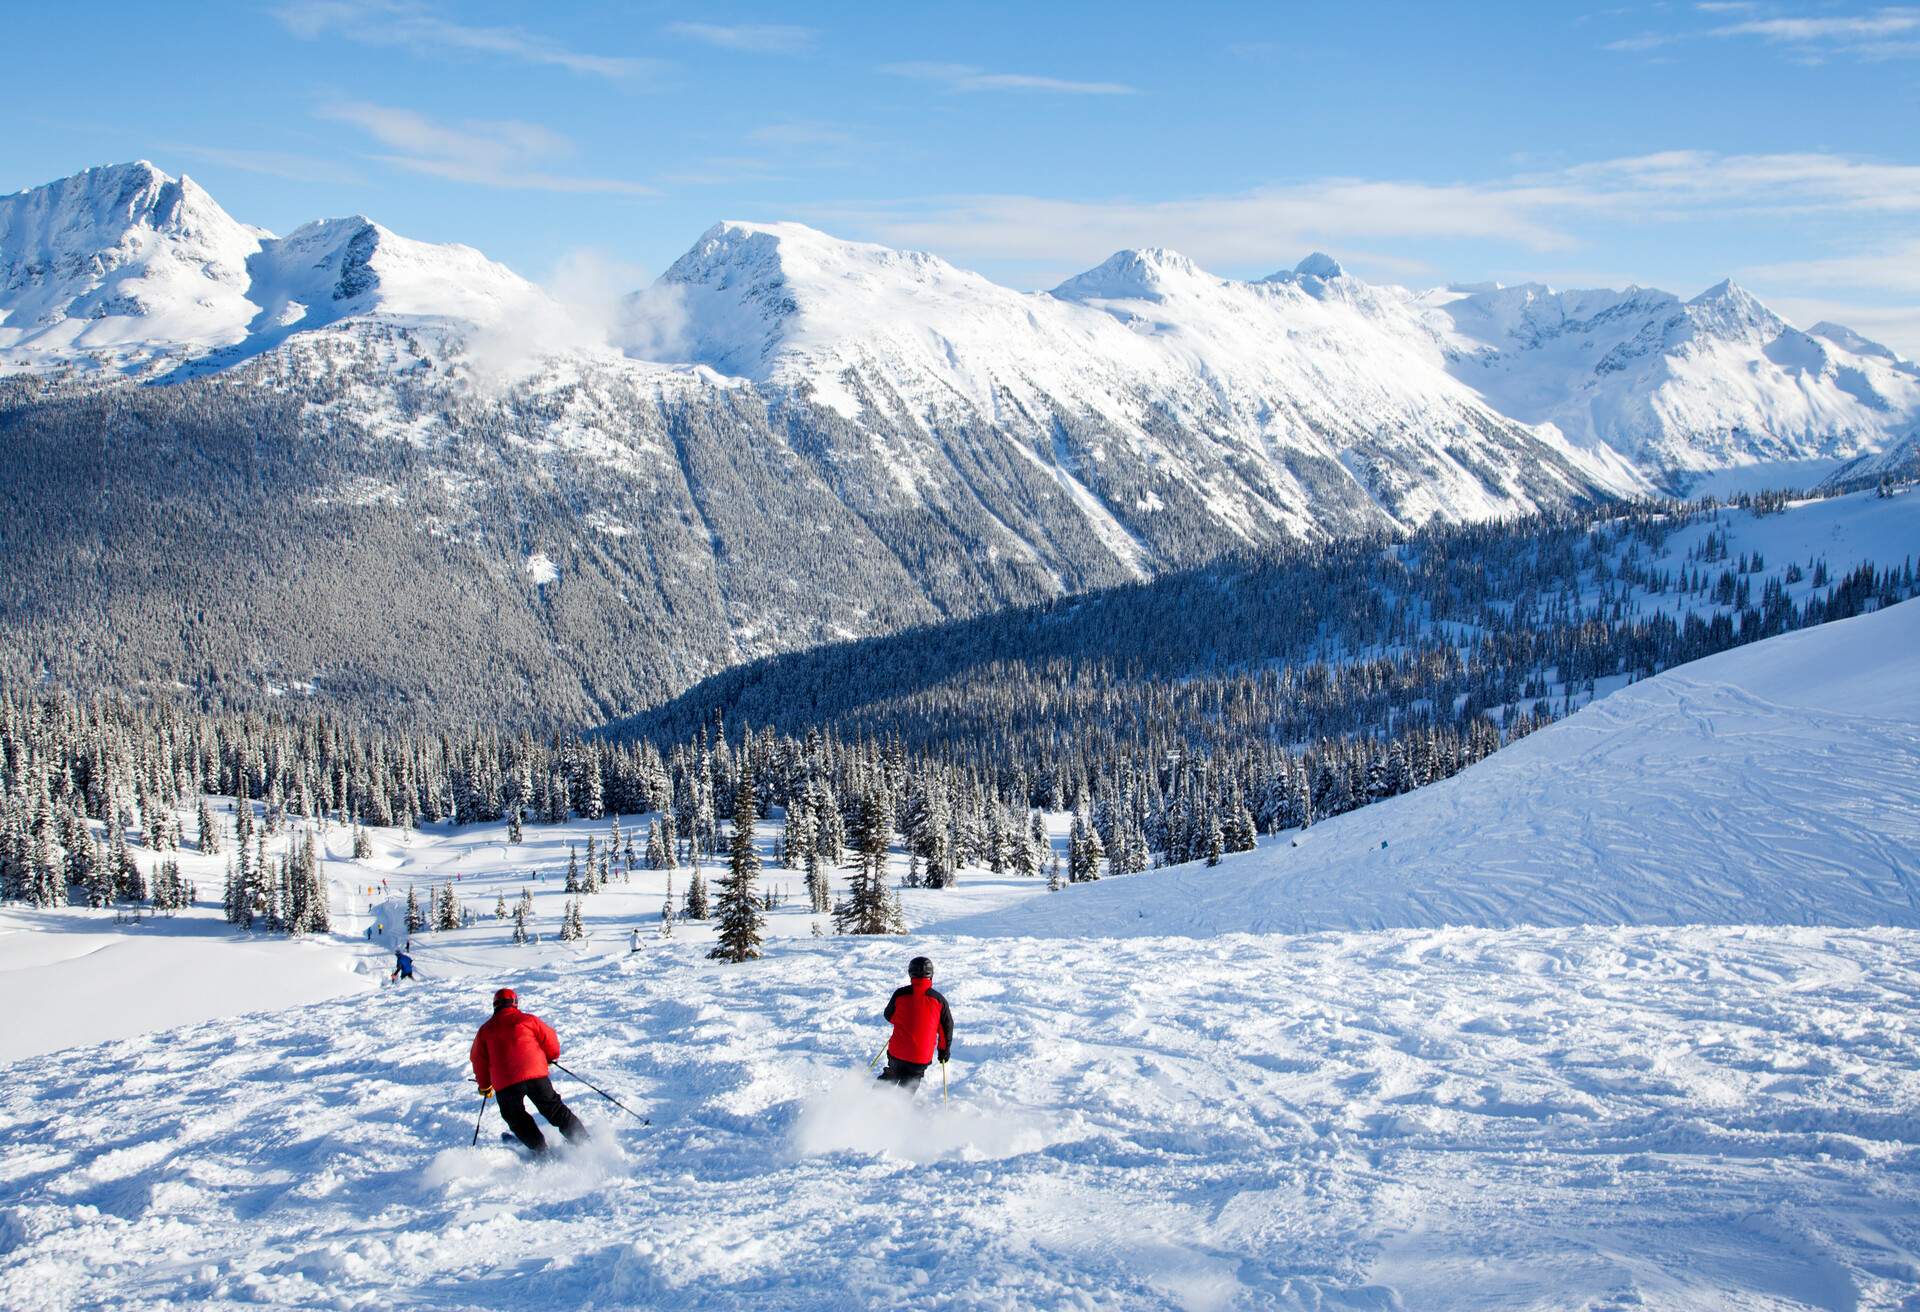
{"x":1772,"y":784}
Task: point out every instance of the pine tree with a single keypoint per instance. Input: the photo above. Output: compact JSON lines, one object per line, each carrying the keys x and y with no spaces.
{"x":206,"y":829}
{"x":739,"y":909}
{"x":572,"y":928}
{"x":516,"y":831}
{"x":449,"y":917}
{"x":500,"y":907}
{"x":416,"y":917}
{"x":362,"y":843}
{"x":869,"y":907}
{"x":520,"y":918}
{"x":666,"y":911}
{"x":573,"y":870}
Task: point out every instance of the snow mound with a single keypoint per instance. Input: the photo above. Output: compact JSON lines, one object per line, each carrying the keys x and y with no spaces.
{"x":1773,"y":784}
{"x":861,"y":1115}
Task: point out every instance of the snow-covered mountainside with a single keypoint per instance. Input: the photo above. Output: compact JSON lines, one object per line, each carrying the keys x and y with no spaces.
{"x":1772,"y":784}
{"x":1303,"y":402}
{"x":127,"y":267}
{"x":1898,"y":463}
{"x":1143,"y":381}
{"x":830,"y":440}
{"x":1158,"y":1098}
{"x":1678,"y":387}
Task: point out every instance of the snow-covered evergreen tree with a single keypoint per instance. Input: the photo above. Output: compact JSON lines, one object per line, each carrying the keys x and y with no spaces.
{"x":416,"y":915}
{"x":572,"y":928}
{"x":206,"y":829}
{"x":737,"y":907}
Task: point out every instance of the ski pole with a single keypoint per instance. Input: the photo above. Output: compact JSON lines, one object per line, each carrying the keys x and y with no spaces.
{"x":876,"y":1057}
{"x":943,"y":1081}
{"x":604,"y":1094}
{"x":483,"y":1116}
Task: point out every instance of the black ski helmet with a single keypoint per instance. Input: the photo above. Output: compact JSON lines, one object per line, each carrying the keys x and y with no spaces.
{"x":920,"y":968}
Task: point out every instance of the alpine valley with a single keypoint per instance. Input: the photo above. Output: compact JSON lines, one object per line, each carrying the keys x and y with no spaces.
{"x":402,"y":478}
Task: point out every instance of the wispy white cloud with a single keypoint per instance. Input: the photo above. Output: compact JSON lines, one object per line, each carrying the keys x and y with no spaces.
{"x":1643,"y":41}
{"x":1889,"y":32}
{"x":802,"y":134}
{"x":753,"y":38}
{"x":1779,"y":183}
{"x":1845,"y":28}
{"x":414,"y":26}
{"x":504,"y":153}
{"x":1536,"y":211}
{"x":967,"y":77}
{"x":1890,"y":268}
{"x":273,"y":163}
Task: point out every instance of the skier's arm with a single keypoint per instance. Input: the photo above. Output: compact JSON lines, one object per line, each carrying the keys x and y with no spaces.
{"x":888,"y":1013}
{"x":478,"y":1056}
{"x":946,"y":1028}
{"x":549,"y":1041}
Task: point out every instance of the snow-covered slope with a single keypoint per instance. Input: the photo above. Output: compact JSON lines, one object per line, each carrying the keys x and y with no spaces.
{"x":1680,"y":388}
{"x":1690,"y":1119}
{"x":1773,"y":784}
{"x":125,"y":265}
{"x":1899,"y":462}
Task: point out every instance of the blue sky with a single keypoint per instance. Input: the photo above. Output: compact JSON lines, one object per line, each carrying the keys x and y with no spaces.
{"x":1665,"y":144}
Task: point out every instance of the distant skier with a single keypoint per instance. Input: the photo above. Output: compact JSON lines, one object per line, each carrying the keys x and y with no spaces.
{"x":636,"y":939}
{"x":922,"y":1026}
{"x":510,"y":1056}
{"x":402,"y":966}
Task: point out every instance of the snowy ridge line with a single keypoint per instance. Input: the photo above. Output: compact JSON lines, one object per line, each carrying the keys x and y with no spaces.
{"x":1431,"y":398}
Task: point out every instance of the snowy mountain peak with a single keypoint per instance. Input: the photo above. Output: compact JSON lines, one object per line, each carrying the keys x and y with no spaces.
{"x":1149,"y":274}
{"x":117,"y":252}
{"x":1320,"y":265}
{"x":735,"y":254}
{"x":1728,"y":309}
{"x":127,"y":266}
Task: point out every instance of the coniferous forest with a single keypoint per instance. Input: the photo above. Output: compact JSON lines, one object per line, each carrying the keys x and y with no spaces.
{"x":1176,"y":720}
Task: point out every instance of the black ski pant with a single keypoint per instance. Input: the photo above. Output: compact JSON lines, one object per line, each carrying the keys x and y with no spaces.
{"x":907,"y":1073}
{"x":540,"y":1092}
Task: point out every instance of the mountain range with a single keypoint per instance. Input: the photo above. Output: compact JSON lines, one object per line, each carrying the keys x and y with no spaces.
{"x":401,"y":474}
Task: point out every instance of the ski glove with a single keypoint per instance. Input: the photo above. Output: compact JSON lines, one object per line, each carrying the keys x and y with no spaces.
{"x":485,"y":1092}
{"x":944,"y":1054}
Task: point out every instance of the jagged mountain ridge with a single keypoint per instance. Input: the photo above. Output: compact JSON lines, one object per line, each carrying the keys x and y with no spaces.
{"x":1676,"y":387}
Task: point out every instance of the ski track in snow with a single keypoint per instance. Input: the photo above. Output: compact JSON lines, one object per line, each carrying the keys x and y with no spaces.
{"x":1433,"y":1118}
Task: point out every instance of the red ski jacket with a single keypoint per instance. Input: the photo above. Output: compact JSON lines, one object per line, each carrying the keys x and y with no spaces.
{"x":512,"y":1047}
{"x":921,"y":1021}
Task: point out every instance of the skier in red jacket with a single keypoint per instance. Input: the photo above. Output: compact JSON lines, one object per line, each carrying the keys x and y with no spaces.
{"x":922,"y":1026}
{"x":510,"y":1056}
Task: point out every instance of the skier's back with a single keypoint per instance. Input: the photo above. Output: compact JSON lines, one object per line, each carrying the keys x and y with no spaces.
{"x":922,"y":1026}
{"x":510,"y":1056}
